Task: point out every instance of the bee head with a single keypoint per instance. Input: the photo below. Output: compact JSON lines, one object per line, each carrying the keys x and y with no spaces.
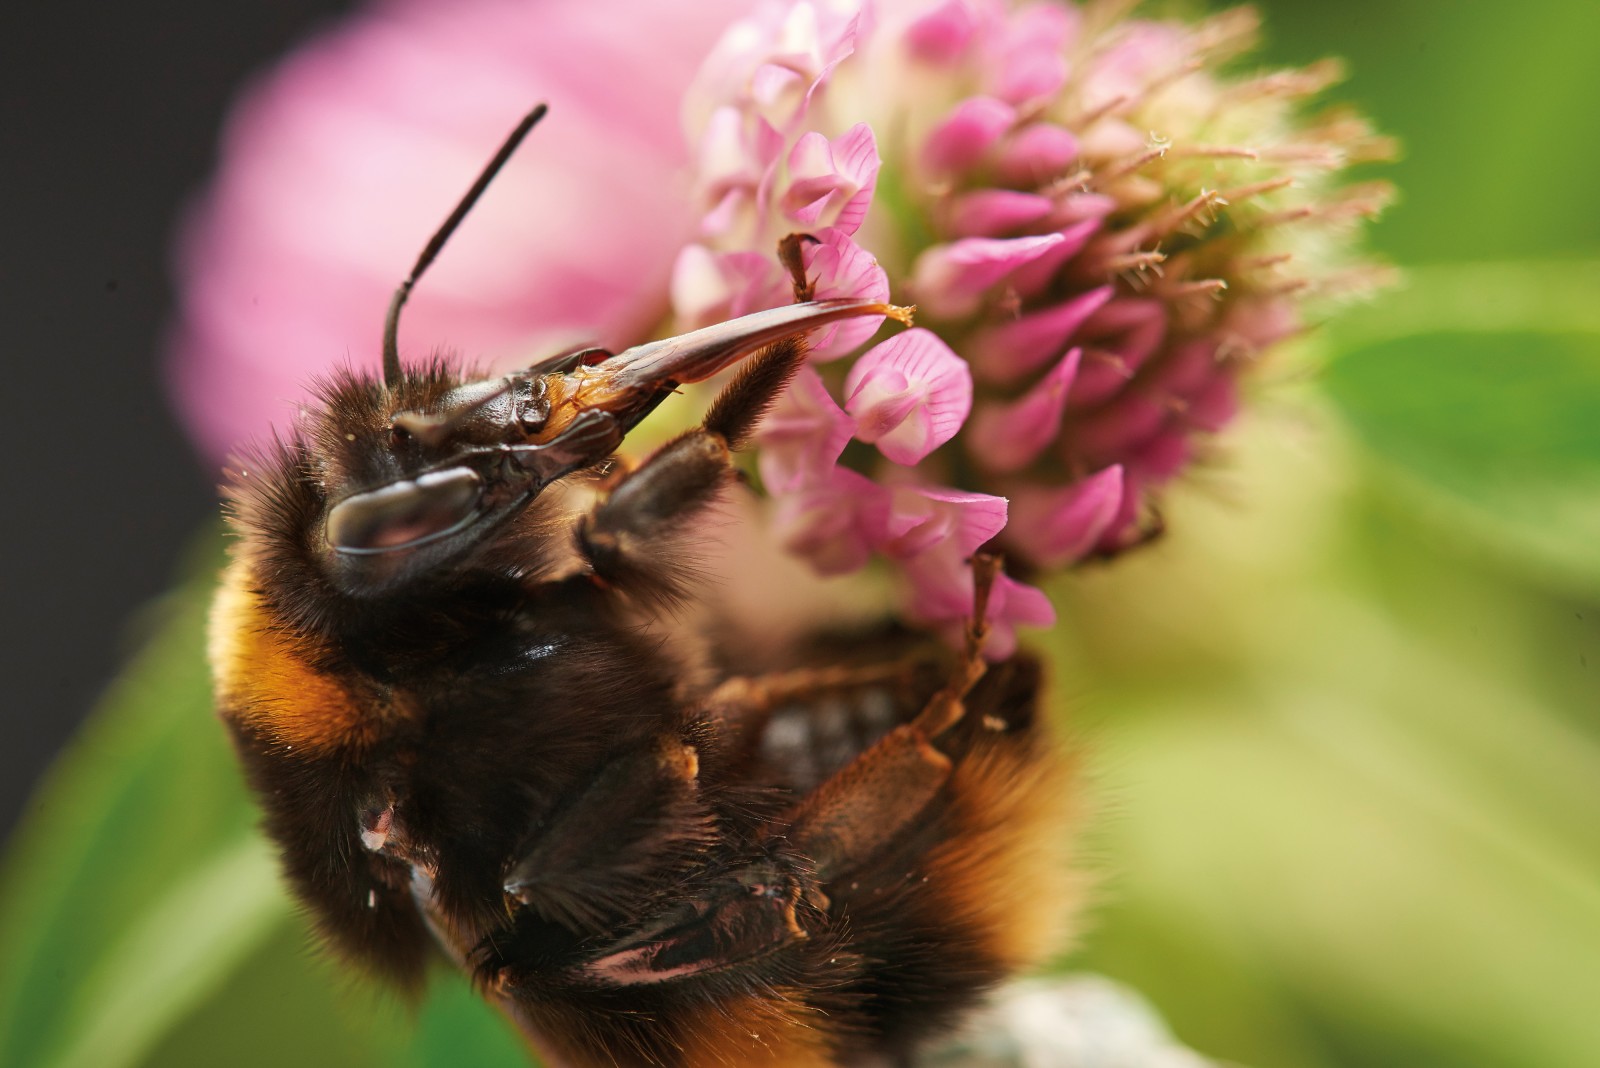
{"x":402,"y":480}
{"x":413,"y":477}
{"x":419,"y":472}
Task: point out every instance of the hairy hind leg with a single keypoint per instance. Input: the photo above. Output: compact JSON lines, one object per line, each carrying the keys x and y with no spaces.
{"x":850,"y":817}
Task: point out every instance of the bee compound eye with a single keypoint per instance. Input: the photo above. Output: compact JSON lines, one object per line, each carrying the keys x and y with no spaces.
{"x":407,"y":513}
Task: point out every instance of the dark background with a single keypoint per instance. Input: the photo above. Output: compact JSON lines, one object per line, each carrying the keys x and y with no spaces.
{"x":110,"y":115}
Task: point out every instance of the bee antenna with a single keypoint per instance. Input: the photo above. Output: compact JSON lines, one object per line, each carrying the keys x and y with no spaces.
{"x":391,"y":323}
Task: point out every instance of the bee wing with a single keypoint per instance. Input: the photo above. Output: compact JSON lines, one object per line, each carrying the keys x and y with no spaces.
{"x":733,"y":920}
{"x":646,"y":808}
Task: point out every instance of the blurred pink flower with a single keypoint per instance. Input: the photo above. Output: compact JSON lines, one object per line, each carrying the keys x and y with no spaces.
{"x":338,"y":164}
{"x":1096,"y":218}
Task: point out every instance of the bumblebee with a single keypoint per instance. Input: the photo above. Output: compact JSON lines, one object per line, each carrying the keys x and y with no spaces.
{"x":448,"y":689}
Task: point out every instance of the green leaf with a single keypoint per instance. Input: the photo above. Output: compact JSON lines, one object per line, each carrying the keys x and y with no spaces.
{"x":1336,"y":867}
{"x":457,"y":1027}
{"x":1478,"y":393}
{"x":176,"y":948}
{"x":137,"y":876}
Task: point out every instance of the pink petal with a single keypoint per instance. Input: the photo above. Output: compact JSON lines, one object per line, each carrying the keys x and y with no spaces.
{"x":700,"y":292}
{"x":1033,"y":278}
{"x":950,"y":279}
{"x":843,"y":46}
{"x":960,"y":140}
{"x":943,"y":35}
{"x":1046,"y":27}
{"x":1162,"y":457}
{"x":1186,"y":368}
{"x":1142,"y":53}
{"x":803,"y":435}
{"x":1031,"y":76}
{"x":831,"y":183}
{"x":736,"y":205}
{"x":769,"y":147}
{"x":1121,"y":429}
{"x":1029,"y":62}
{"x":1130,"y":330}
{"x":1053,"y":527}
{"x":777,"y":90}
{"x":942,"y":594}
{"x":1007,"y":352}
{"x":1112,"y":138}
{"x":1021,"y":604}
{"x":995,"y":212}
{"x":773,"y":58}
{"x":941,"y":586}
{"x":1258,"y":323}
{"x":1014,"y":604}
{"x":708,"y":287}
{"x":838,"y":267}
{"x":1214,"y":405}
{"x":834,"y":525}
{"x":819,"y":37}
{"x":909,"y":395}
{"x":726,"y":155}
{"x":757,"y":282}
{"x":921,"y":517}
{"x":1008,"y":437}
{"x":1076,"y":207}
{"x":1125,"y":529}
{"x":1035,"y":154}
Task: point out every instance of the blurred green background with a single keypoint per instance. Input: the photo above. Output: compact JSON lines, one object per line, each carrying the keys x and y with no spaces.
{"x":1344,"y":723}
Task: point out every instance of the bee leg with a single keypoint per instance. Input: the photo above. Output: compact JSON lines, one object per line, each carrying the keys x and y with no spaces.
{"x":872,"y":799}
{"x":680,"y":479}
{"x":747,"y":695}
{"x":622,"y":537}
{"x":801,"y":726}
{"x":645,"y":807}
{"x":789,"y":255}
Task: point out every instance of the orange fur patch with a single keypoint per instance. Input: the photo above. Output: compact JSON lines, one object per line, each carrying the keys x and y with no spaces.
{"x":266,"y":683}
{"x":772,"y":1030}
{"x":1008,"y":872}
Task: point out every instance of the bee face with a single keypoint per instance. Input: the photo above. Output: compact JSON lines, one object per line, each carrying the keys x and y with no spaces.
{"x":417,"y":478}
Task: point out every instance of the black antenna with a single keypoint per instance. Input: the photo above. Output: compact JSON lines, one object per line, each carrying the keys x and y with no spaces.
{"x":391,"y":324}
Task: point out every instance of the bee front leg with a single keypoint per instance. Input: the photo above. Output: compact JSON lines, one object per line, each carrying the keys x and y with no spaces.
{"x":621,"y":537}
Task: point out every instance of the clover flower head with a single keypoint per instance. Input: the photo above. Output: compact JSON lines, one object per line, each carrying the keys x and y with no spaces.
{"x":1103,"y":226}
